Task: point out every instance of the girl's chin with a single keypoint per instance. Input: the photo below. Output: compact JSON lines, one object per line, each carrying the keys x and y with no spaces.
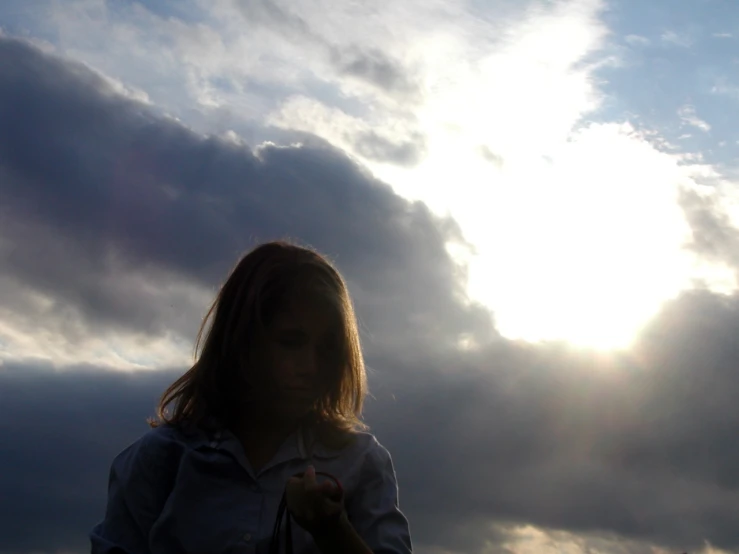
{"x":294,"y":407}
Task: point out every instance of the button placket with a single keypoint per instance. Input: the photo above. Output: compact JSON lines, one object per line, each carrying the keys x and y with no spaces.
{"x":255,"y":490}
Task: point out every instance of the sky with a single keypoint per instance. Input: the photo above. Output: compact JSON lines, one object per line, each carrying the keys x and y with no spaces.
{"x":535,"y":204}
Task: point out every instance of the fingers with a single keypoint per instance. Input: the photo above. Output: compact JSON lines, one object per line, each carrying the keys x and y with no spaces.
{"x":310,"y":486}
{"x":331,"y":507}
{"x":308,"y":482}
{"x":309,"y":478}
{"x":328,"y":489}
{"x":310,"y":501}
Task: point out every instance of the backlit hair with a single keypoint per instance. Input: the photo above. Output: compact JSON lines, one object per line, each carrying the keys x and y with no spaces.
{"x":260,"y":285}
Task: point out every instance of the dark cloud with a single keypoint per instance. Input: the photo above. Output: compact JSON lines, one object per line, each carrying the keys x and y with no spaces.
{"x":375,"y":68}
{"x":713,"y":236}
{"x":60,"y":431}
{"x":376,"y":147}
{"x":637,"y":447}
{"x":96,"y":187}
{"x":98,"y":191}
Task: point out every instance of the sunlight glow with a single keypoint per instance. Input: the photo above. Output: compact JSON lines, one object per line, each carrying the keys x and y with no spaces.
{"x":587,"y":246}
{"x":582,"y":246}
{"x":578,"y":233}
{"x":576,"y":225}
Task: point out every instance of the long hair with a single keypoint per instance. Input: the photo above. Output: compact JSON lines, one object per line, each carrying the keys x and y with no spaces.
{"x":259,"y":286}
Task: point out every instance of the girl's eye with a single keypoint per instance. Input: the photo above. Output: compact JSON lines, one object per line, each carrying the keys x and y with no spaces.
{"x":331,"y":351}
{"x":291,"y":342}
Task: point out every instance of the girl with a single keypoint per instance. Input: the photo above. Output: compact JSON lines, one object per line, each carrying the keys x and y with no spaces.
{"x":275,"y":395}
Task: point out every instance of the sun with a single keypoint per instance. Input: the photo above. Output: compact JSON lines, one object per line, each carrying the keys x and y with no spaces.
{"x":583,"y":247}
{"x":578,"y":232}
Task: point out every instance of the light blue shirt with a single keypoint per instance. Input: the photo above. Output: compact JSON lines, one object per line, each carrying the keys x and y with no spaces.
{"x":187,"y":490}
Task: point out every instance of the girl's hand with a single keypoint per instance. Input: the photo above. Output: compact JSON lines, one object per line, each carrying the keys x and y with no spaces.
{"x":316,"y":507}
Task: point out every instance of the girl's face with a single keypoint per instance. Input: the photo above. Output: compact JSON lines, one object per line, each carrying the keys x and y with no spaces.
{"x":299,"y":356}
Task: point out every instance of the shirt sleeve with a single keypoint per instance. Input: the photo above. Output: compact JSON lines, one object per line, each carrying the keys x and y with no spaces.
{"x":374,"y":510}
{"x":141,"y":477}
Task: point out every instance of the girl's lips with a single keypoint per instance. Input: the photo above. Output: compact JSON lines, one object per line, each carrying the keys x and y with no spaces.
{"x":299,"y":390}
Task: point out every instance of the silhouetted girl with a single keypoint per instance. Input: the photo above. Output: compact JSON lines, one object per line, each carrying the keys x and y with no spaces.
{"x":275,"y":396}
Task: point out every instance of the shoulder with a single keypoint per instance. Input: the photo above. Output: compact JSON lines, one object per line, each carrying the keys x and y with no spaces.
{"x":367,"y":454}
{"x":332,"y":442}
{"x":372,"y":495}
{"x":367,"y":445}
{"x":376,"y":458}
{"x":157,"y":447}
{"x":160,"y":438}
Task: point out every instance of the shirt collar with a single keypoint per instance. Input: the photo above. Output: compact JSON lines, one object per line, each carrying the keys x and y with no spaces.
{"x":302,"y":444}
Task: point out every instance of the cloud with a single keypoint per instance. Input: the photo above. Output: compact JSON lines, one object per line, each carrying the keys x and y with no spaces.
{"x":672,"y":38}
{"x":636,"y":444}
{"x":372,"y":66}
{"x":725,"y":88}
{"x":57,"y":448}
{"x":106,"y":196}
{"x":714,"y":234}
{"x":375,"y":67}
{"x":689,"y":117}
{"x":515,"y":78}
{"x":637,"y":40}
{"x":494,"y":443}
{"x":496,"y":450}
{"x":398,"y":144}
{"x":208,"y":65}
{"x":373,"y":146}
{"x":496,"y":159}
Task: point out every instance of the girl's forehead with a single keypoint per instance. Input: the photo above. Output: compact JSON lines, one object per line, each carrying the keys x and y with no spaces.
{"x":308,"y":310}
